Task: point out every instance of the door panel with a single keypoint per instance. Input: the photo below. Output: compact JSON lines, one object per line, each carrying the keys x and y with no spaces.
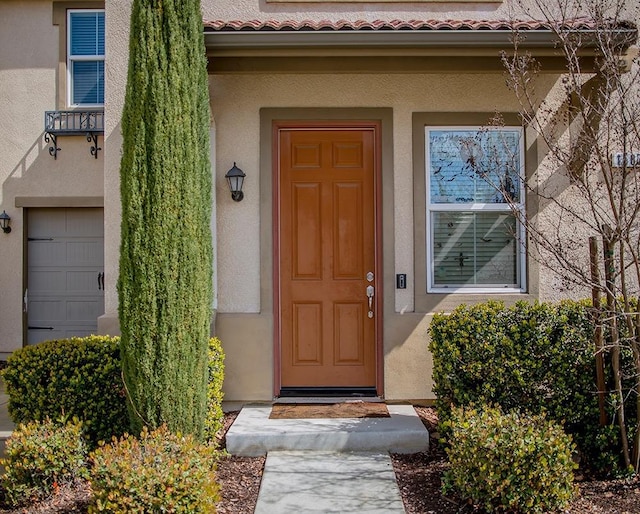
{"x":65,"y":258}
{"x":347,"y":232}
{"x":327,"y":246}
{"x":307,"y":333}
{"x":306,"y":234}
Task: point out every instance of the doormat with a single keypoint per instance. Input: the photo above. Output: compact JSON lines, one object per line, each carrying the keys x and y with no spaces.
{"x":329,"y":410}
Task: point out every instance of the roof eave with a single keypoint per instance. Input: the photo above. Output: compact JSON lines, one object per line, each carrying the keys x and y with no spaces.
{"x":454,"y":39}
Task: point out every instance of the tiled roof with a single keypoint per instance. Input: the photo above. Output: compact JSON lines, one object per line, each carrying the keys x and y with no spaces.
{"x":392,"y":25}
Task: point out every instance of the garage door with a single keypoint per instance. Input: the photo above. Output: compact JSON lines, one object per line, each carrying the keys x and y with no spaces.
{"x":65,"y":283}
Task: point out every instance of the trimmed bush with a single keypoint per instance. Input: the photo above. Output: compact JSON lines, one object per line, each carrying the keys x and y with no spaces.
{"x":215,"y":416}
{"x":77,"y":377}
{"x":81,"y":377}
{"x":532,"y":357}
{"x":509,"y":462}
{"x":40,"y":456}
{"x":160,"y":472}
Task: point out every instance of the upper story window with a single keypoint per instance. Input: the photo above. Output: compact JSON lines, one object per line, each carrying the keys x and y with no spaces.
{"x":85,"y":57}
{"x":474,"y":239}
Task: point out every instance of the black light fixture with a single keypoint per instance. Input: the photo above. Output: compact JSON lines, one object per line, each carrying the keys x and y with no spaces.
{"x":235,"y":178}
{"x":4,"y":222}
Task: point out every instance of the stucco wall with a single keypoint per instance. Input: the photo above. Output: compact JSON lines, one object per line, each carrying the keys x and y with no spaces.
{"x":29,"y":58}
{"x":351,"y":11}
{"x":236,"y":101}
{"x":31,"y":83}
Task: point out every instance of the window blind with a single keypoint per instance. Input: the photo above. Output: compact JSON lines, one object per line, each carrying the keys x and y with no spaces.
{"x":473,"y":180}
{"x":87,"y":33}
{"x":475,"y":249}
{"x":88,"y":82}
{"x":86,"y":57}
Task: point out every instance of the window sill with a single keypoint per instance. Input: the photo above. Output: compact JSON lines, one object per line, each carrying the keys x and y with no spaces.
{"x":467,"y":290}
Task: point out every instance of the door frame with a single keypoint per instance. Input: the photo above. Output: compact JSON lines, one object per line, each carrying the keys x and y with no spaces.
{"x":376,"y":127}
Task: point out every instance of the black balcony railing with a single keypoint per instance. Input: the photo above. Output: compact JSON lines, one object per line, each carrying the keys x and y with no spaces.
{"x":73,"y":123}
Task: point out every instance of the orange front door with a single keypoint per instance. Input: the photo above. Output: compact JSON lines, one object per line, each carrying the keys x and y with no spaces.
{"x":327,"y":257}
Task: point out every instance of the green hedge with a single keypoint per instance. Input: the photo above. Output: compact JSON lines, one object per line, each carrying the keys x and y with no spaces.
{"x":531,"y":357}
{"x":77,"y":377}
{"x":82,"y":377}
{"x":509,"y":462}
{"x":215,"y":416}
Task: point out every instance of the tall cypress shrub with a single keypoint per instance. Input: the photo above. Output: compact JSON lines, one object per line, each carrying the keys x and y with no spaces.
{"x":165,"y":278}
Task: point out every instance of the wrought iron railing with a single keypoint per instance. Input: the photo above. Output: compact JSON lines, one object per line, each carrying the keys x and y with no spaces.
{"x":73,"y":123}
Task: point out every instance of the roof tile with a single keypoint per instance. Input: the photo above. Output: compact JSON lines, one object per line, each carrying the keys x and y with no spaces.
{"x":389,"y":25}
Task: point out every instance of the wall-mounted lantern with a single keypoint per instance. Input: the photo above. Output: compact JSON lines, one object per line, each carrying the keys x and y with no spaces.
{"x":235,"y":178}
{"x":4,"y":222}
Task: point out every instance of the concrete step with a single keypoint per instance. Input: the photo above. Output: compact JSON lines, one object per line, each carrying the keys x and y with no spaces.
{"x":253,"y":433}
{"x":326,"y":482}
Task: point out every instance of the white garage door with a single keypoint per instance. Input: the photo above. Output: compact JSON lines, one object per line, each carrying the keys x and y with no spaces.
{"x":65,"y":284}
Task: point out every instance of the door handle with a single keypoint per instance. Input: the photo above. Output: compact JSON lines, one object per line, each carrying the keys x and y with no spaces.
{"x":100,"y":281}
{"x":370,"y":292}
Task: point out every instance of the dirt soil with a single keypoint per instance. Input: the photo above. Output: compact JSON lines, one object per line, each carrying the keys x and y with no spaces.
{"x":419,"y":477}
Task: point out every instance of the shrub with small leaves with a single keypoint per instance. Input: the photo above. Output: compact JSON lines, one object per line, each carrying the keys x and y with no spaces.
{"x":509,"y":462}
{"x":41,"y":456}
{"x":534,"y":357}
{"x":77,"y":377}
{"x":215,"y":416}
{"x":158,"y":472}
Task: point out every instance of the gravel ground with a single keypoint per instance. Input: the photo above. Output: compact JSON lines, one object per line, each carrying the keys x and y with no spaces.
{"x":418,"y":475}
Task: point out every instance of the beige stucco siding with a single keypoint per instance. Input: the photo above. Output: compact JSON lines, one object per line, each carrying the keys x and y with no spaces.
{"x":117,"y":15}
{"x":32,"y":80}
{"x":352,"y":11}
{"x":29,"y":57}
{"x":243,"y":266}
{"x":244,"y":282}
{"x":236,"y":102}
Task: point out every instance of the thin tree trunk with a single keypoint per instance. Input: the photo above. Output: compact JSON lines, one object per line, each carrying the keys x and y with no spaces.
{"x":609,"y":268}
{"x":632,"y":321}
{"x":635,"y":345}
{"x":597,"y":336}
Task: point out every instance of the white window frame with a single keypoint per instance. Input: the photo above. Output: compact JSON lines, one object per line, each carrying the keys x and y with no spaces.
{"x":78,"y":58}
{"x":521,"y":258}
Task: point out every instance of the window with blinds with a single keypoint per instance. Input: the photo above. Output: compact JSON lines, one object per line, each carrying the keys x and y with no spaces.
{"x":474,"y":188}
{"x":85,"y":50}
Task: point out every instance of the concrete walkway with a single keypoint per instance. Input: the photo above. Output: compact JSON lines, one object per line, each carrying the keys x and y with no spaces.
{"x":307,"y":481}
{"x":339,"y":465}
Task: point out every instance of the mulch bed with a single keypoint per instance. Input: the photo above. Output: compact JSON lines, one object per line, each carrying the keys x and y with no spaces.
{"x":239,"y":478}
{"x":419,"y":480}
